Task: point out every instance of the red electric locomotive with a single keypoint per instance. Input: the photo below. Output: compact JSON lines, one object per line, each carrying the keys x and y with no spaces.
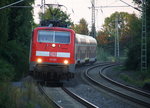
{"x":55,"y":51}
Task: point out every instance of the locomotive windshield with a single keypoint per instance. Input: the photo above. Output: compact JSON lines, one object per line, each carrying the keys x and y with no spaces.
{"x":53,"y":36}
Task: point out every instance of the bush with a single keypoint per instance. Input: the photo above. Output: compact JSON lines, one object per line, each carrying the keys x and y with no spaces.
{"x":6,"y":99}
{"x":102,"y":55}
{"x":6,"y":71}
{"x":17,"y":55}
{"x":134,"y":57}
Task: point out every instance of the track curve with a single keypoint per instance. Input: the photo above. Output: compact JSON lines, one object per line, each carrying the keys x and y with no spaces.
{"x":102,"y":81}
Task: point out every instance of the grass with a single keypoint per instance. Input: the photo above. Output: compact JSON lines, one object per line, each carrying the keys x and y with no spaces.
{"x":131,"y":80}
{"x":119,"y":68}
{"x":32,"y":98}
{"x":26,"y":96}
{"x":103,"y":55}
{"x":135,"y":78}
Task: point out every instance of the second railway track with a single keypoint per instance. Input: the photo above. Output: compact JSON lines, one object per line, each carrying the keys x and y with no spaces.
{"x":129,"y":93}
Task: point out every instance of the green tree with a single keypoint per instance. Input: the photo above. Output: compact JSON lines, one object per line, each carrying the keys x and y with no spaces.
{"x":4,"y":13}
{"x":82,"y":27}
{"x":6,"y":71}
{"x":56,"y":14}
{"x":20,"y":23}
{"x":134,"y":55}
{"x":127,"y":31}
{"x":14,"y":45}
{"x":15,"y":36}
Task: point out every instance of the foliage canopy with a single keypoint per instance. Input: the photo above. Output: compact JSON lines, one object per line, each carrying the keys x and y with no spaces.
{"x":56,"y":14}
{"x":15,"y":37}
{"x":127,"y":31}
{"x":82,"y":27}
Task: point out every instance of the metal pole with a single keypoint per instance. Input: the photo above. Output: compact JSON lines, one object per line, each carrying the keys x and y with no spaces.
{"x":116,"y":51}
{"x":43,"y":8}
{"x":93,"y":19}
{"x":115,"y":38}
{"x":144,"y":39}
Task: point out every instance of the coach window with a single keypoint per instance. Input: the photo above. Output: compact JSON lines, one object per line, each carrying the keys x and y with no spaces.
{"x":45,"y":36}
{"x":77,"y":41}
{"x":62,"y":37}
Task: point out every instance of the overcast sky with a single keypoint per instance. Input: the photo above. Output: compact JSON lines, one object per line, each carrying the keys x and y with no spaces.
{"x":80,"y":9}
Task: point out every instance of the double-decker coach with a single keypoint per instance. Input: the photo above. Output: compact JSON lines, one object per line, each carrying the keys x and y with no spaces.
{"x":55,"y":51}
{"x":85,"y":49}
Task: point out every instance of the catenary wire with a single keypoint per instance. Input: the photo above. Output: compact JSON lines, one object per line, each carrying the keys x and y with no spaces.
{"x":11,"y":4}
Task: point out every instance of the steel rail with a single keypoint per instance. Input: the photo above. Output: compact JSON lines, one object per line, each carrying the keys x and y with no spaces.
{"x":146,"y":94}
{"x":49,"y":100}
{"x":79,"y":99}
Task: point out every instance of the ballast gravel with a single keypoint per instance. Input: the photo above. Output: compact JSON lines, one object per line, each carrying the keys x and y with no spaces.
{"x":99,"y":98}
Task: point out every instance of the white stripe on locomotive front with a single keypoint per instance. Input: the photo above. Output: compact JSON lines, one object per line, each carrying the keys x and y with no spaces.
{"x":58,"y":54}
{"x":62,"y":54}
{"x":42,"y":53}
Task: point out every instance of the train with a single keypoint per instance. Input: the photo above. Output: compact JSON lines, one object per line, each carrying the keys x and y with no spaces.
{"x":56,"y":51}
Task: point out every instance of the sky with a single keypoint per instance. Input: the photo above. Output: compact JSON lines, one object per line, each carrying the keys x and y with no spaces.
{"x":81,"y":9}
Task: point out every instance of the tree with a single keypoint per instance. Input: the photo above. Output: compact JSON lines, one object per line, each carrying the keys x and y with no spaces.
{"x":15,"y":36}
{"x":82,"y":27}
{"x":134,"y":55}
{"x":4,"y":13}
{"x":56,"y":14}
{"x":21,"y":21}
{"x":126,"y":26}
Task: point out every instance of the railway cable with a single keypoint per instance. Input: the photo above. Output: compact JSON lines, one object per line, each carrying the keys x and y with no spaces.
{"x":9,"y":5}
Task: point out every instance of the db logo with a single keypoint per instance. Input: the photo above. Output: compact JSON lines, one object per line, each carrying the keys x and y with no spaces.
{"x":52,"y":59}
{"x":53,"y":54}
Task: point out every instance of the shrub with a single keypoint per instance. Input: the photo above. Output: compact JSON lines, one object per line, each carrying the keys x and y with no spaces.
{"x":6,"y":71}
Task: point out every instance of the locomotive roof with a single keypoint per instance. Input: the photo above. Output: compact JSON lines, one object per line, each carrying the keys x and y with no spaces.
{"x":57,"y":28}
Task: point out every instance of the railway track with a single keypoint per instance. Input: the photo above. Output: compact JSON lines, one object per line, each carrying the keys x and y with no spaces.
{"x":49,"y":100}
{"x":76,"y":102}
{"x":102,"y":81}
{"x":79,"y":99}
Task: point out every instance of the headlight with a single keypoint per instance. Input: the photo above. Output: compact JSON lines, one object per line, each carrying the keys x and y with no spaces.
{"x":39,"y":60}
{"x":53,"y":45}
{"x":66,"y":62}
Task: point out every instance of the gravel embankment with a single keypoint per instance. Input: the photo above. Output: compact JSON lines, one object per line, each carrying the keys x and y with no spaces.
{"x":98,"y":97}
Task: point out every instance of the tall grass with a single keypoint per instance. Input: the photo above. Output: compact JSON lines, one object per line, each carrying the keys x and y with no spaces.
{"x":136,"y":78}
{"x":25,"y":96}
{"x":102,"y":55}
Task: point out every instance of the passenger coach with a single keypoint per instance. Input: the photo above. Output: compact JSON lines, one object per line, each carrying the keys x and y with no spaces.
{"x":55,"y":51}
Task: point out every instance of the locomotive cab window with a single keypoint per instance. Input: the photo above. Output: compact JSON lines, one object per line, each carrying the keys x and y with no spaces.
{"x":62,"y":37}
{"x":45,"y":36}
{"x":53,"y":37}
